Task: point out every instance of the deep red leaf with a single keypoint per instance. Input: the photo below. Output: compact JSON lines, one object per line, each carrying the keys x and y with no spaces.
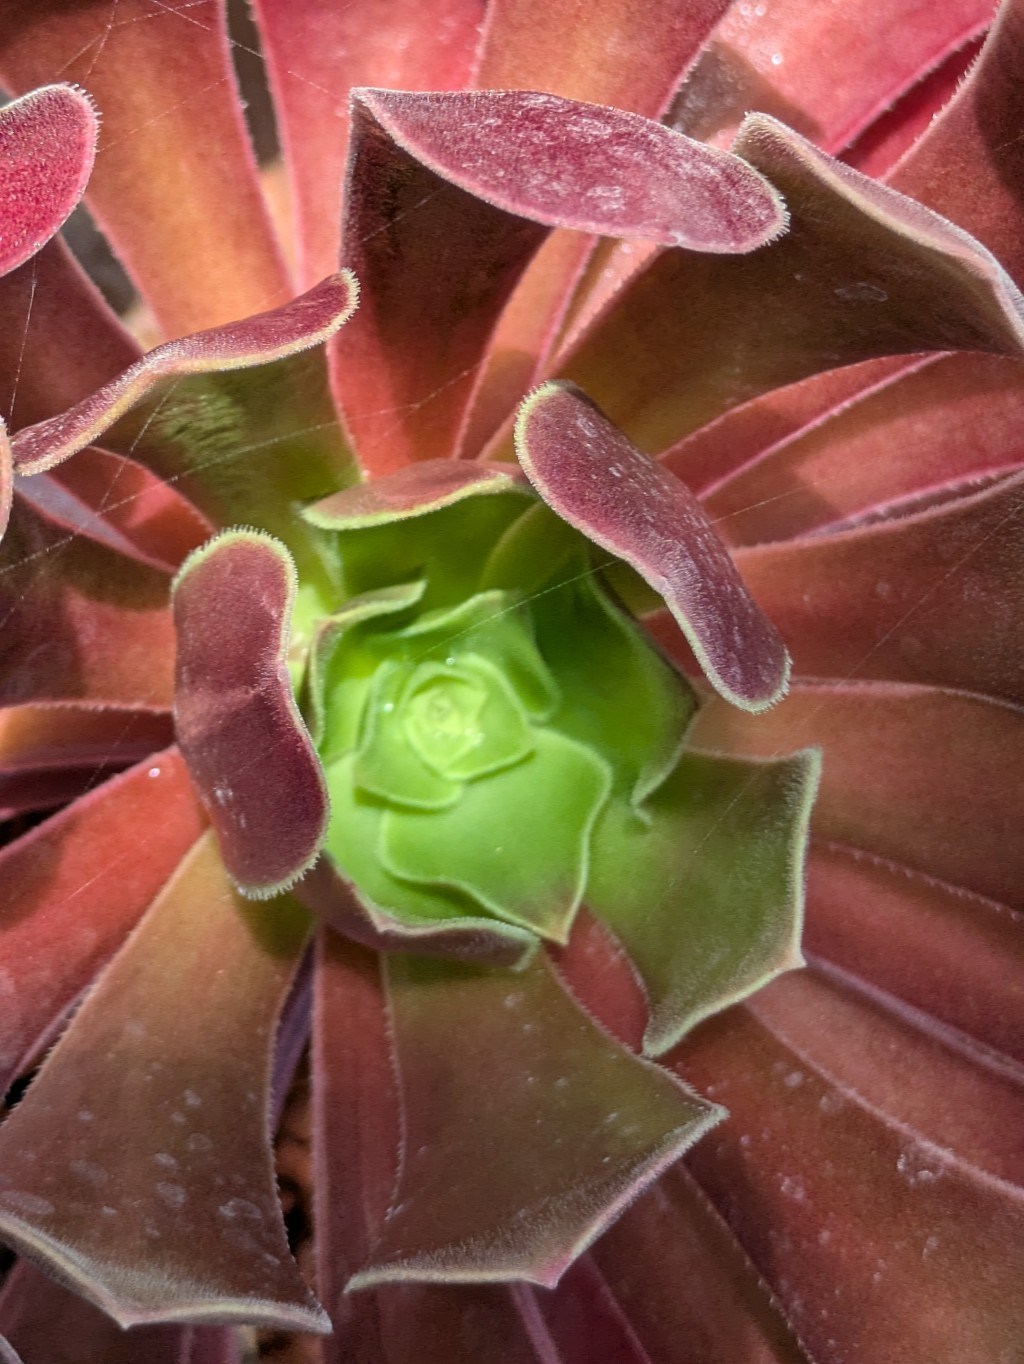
{"x":82,"y":880}
{"x":619,"y":52}
{"x":741,"y":436}
{"x":59,"y":342}
{"x":969,"y":165}
{"x":175,"y":165}
{"x":934,"y":598}
{"x":595,"y":479}
{"x":678,"y":1274}
{"x":627,"y":53}
{"x":195,"y":1185}
{"x":47,"y":148}
{"x":857,"y":1170}
{"x":931,"y":434}
{"x":923,"y":777}
{"x":50,"y":754}
{"x":826,"y":71}
{"x":878,"y":147}
{"x":957,"y":958}
{"x":54,"y":1326}
{"x":239,"y":728}
{"x":120,"y":503}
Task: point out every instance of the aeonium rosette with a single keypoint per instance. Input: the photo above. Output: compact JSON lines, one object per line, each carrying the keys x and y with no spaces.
{"x":414,"y":694}
{"x":498,"y":740}
{"x":420,"y":707}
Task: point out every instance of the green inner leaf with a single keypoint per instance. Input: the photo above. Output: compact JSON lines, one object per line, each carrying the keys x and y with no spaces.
{"x":518,"y":842}
{"x":446,"y":548}
{"x":619,"y":696}
{"x":387,"y":763}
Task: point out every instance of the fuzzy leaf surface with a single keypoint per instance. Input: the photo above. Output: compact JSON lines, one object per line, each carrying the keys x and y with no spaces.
{"x":239,"y":728}
{"x":599,"y":482}
{"x":514,"y":1181}
{"x":703,"y":885}
{"x":195,"y":1185}
{"x":47,"y":149}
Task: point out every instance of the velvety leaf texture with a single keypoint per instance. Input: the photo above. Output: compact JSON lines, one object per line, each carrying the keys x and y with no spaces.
{"x":198,"y":1196}
{"x":513,"y":1181}
{"x":510,"y":796}
{"x":307,"y":321}
{"x":590,"y":474}
{"x":234,"y":706}
{"x":47,"y":148}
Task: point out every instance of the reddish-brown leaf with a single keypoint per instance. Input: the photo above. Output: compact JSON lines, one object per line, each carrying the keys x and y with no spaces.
{"x":174,"y":164}
{"x":195,"y":1185}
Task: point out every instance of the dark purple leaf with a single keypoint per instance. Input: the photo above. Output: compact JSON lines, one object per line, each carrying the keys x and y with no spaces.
{"x":238,"y":725}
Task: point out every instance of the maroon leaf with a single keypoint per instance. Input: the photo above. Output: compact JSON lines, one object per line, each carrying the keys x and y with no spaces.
{"x":52,"y":753}
{"x":595,"y":479}
{"x":862,"y":273}
{"x":958,"y":958}
{"x":825,"y":72}
{"x":47,"y":147}
{"x":741,"y":436}
{"x":514,"y":1181}
{"x":307,"y":321}
{"x":316,"y":51}
{"x":50,"y":1324}
{"x":412,"y":491}
{"x":119,"y":503}
{"x":632,"y":59}
{"x":6,"y":478}
{"x":937,"y":431}
{"x":83,"y":879}
{"x":238,"y":725}
{"x":457,"y":187}
{"x":565,"y":163}
{"x":176,"y":168}
{"x":678,"y":1274}
{"x":195,"y":1186}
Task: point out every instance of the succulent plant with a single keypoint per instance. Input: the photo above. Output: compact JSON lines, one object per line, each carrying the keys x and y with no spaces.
{"x":396,"y":683}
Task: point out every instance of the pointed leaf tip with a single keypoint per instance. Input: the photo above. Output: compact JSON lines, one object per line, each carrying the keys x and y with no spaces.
{"x":238,"y":726}
{"x":47,"y":149}
{"x":137,"y":1169}
{"x":629,"y":504}
{"x":565,"y":163}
